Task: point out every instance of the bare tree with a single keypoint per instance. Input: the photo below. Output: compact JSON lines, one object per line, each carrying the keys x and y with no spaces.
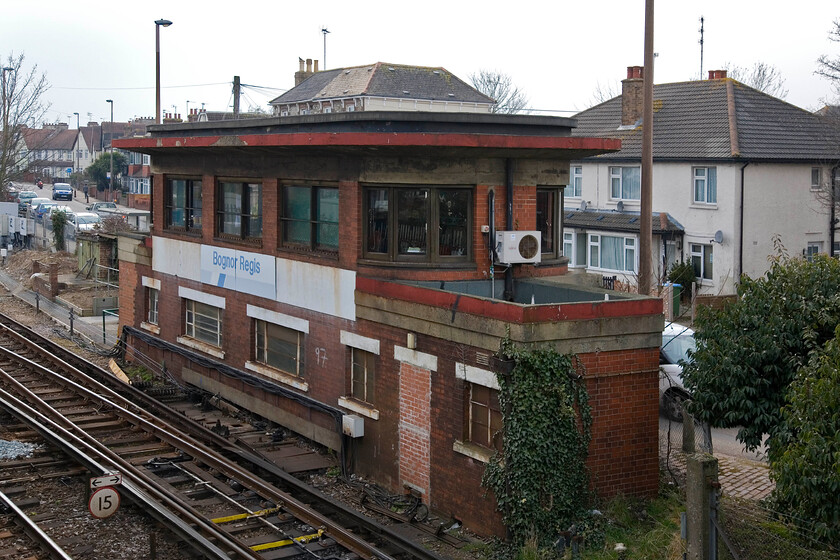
{"x":763,"y":77}
{"x":605,"y":92}
{"x":829,"y":67}
{"x":509,"y":98}
{"x":22,"y":106}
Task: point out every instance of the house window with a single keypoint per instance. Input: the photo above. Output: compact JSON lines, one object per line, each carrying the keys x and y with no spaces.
{"x":204,"y":322}
{"x":548,"y":222}
{"x":279,"y":347}
{"x":575,"y":187}
{"x":705,"y":185}
{"x":612,"y":253}
{"x":239,"y":210}
{"x":813,"y":248}
{"x":362,"y":375}
{"x":625,"y":183}
{"x":484,"y":417}
{"x":310,"y":217}
{"x":701,"y":260}
{"x":418,"y":224}
{"x":182,"y":204}
{"x":816,"y":178}
{"x":152,"y":296}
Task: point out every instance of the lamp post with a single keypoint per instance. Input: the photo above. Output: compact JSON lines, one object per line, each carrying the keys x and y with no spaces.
{"x":111,"y":144}
{"x":77,"y":142}
{"x":158,"y":24}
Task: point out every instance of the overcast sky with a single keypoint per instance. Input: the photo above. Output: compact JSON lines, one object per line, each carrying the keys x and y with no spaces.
{"x":556,"y":52}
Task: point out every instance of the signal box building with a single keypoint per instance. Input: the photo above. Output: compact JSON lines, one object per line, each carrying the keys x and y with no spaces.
{"x":350,"y":276}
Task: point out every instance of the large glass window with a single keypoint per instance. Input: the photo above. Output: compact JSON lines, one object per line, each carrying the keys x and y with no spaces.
{"x":625,"y":183}
{"x":239,"y":210}
{"x":575,"y":187}
{"x":418,"y":224}
{"x":361,"y":376}
{"x":705,"y":185}
{"x":182,"y":205}
{"x":548,"y":222}
{"x":701,"y":260}
{"x":484,"y":417}
{"x":279,"y":347}
{"x":310,"y":217}
{"x":612,"y":253}
{"x":204,"y":322}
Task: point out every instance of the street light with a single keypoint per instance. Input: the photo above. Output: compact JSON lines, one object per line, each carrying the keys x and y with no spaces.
{"x":158,"y":24}
{"x":111,"y":183}
{"x":77,"y":144}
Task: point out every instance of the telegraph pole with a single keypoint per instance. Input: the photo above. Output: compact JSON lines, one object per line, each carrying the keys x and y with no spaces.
{"x":646,"y":222}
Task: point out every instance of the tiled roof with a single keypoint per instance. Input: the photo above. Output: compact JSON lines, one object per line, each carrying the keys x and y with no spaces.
{"x":694,"y":120}
{"x":610,"y":220}
{"x":49,"y":139}
{"x":384,"y":80}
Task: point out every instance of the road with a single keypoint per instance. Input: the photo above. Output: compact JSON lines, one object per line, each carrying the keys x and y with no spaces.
{"x":724,"y":441}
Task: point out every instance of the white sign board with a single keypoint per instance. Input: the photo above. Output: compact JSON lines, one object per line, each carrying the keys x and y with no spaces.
{"x":242,"y":271}
{"x":112,"y":479}
{"x":104,"y":502}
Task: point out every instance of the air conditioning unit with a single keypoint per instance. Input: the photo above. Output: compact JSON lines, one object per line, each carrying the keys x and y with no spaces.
{"x":513,"y":247}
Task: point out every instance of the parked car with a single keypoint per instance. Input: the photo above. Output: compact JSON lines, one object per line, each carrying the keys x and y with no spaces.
{"x":58,"y":208}
{"x":12,"y":192}
{"x":677,"y":340}
{"x":62,"y":191}
{"x":97,"y":206}
{"x":25,"y":197}
{"x":41,"y":206}
{"x":84,"y":221}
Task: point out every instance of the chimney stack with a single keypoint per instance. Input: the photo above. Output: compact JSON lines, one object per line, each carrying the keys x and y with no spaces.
{"x":302,"y":74}
{"x":632,"y":95}
{"x":717,"y":74}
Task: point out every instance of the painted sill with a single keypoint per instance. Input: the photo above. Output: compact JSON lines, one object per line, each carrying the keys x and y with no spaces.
{"x":214,"y":351}
{"x":358,"y":407}
{"x":477,"y":452}
{"x":704,"y":206}
{"x":277,"y":375}
{"x":151,"y":327}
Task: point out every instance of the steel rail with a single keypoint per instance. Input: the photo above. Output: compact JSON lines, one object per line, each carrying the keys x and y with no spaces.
{"x":138,"y":485}
{"x":37,"y":534}
{"x":200,"y":451}
{"x":240,"y":449}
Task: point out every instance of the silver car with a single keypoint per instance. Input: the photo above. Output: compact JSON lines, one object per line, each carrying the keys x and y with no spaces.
{"x":677,"y":340}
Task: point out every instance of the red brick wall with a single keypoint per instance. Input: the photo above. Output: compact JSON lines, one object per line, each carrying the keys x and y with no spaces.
{"x":415,"y":392}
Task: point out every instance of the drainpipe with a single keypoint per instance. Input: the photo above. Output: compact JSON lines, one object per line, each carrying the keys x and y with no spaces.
{"x":491,"y":240}
{"x":509,"y":168}
{"x":832,"y":216}
{"x":741,"y":227}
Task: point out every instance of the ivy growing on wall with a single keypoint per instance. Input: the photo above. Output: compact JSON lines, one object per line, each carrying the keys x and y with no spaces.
{"x":540,"y":480}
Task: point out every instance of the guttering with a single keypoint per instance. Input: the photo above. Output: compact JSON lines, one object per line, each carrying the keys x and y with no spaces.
{"x":741,"y":226}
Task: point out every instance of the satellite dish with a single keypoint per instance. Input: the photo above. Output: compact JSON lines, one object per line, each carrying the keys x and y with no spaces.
{"x":583,"y":205}
{"x":718,"y":236}
{"x":620,"y":206}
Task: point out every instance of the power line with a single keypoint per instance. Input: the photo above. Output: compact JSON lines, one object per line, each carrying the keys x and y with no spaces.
{"x":137,"y":88}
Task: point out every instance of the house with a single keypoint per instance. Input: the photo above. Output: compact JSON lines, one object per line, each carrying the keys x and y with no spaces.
{"x":379,"y":87}
{"x":733,"y":167}
{"x":50,"y":152}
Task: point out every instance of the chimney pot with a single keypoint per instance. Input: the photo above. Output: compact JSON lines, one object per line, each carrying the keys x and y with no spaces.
{"x":635,"y":72}
{"x":316,"y":66}
{"x":309,"y":65}
{"x":717,"y":74}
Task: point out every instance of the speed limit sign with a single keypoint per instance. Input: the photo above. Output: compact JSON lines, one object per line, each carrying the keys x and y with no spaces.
{"x":104,"y":502}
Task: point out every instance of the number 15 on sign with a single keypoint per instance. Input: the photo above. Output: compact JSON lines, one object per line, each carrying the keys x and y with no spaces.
{"x":104,"y":502}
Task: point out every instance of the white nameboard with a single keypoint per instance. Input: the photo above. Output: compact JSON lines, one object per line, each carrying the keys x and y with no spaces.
{"x":242,"y":271}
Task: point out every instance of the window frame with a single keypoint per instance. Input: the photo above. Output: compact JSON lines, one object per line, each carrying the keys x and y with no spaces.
{"x":313,"y":220}
{"x":244,"y":216}
{"x":620,"y":194}
{"x":551,"y":227}
{"x":491,"y":440}
{"x":575,"y":187}
{"x":191,"y":208}
{"x":626,"y":248}
{"x":190,"y":327}
{"x":816,"y":178}
{"x":152,"y":303}
{"x":699,"y":261}
{"x":432,"y":225}
{"x":812,"y":248}
{"x":299,"y":343}
{"x":708,"y":185}
{"x":368,"y":363}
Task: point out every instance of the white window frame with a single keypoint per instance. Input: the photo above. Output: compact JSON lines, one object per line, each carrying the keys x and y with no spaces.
{"x":357,"y":342}
{"x":629,"y":252}
{"x":191,"y":324}
{"x":699,"y":251}
{"x":704,"y":184}
{"x":813,"y":248}
{"x":575,"y":187}
{"x":816,"y":178}
{"x":617,"y":174}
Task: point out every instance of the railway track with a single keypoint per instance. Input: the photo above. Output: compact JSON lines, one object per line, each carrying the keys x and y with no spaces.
{"x":218,"y":495}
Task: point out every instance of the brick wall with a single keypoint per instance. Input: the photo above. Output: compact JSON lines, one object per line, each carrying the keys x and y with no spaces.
{"x":415,"y":394}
